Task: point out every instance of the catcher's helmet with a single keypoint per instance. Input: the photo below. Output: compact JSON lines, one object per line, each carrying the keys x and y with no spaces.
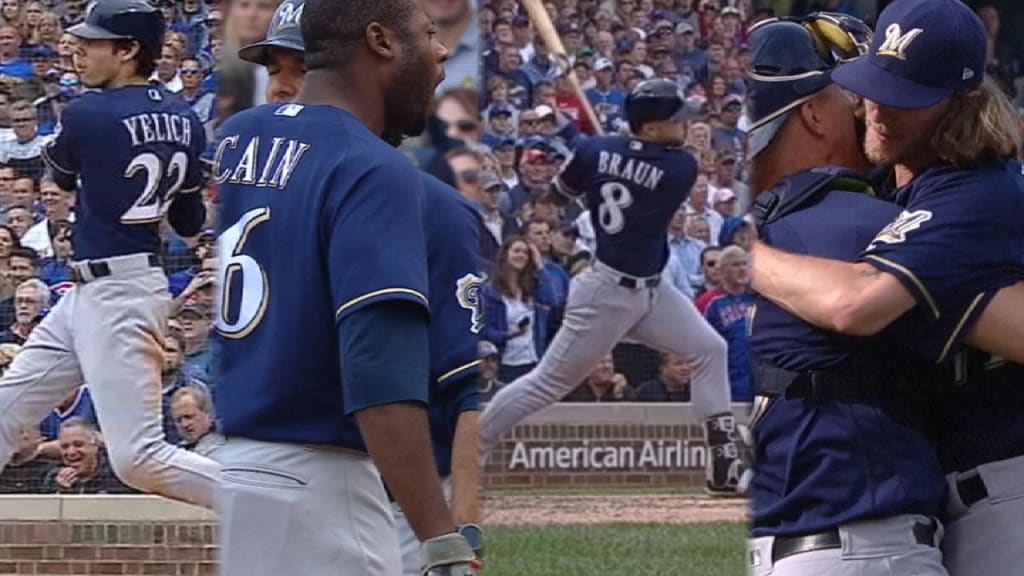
{"x":123,"y":20}
{"x":653,"y":101}
{"x":284,"y":32}
{"x":792,"y":60}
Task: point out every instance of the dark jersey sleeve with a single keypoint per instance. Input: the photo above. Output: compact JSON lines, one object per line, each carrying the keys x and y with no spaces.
{"x":374,"y":239}
{"x":384,"y":355}
{"x":952,"y":242}
{"x":187,"y":211}
{"x":572,"y":181}
{"x":195,"y":178}
{"x":61,"y":153}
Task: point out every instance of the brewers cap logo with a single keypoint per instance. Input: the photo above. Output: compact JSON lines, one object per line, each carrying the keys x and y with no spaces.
{"x":289,"y":15}
{"x":896,"y":43}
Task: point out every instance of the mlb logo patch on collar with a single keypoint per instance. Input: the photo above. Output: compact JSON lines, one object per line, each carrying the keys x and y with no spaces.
{"x":290,"y":110}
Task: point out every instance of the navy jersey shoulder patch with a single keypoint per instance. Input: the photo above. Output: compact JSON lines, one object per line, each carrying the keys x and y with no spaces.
{"x":897,"y":230}
{"x":467,"y":293}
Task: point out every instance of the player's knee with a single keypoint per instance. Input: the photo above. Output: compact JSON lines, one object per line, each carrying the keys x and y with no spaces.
{"x":712,"y":349}
{"x":135,"y":468}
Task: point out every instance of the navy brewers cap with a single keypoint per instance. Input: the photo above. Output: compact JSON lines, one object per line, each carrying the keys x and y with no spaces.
{"x":284,"y":32}
{"x":923,"y":52}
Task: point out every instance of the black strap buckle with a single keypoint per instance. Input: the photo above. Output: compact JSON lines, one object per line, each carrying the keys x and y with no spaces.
{"x":971,"y":490}
{"x":814,"y":385}
{"x":634,"y":283}
{"x":101,"y":269}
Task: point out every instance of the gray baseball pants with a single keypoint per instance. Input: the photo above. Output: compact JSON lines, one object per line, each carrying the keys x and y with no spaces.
{"x":599,"y":314}
{"x":303,"y":510}
{"x":108,"y":334}
{"x":885,"y":547}
{"x":988,"y":537}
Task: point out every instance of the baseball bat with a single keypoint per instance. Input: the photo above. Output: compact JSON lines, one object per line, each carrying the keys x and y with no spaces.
{"x":542,"y":22}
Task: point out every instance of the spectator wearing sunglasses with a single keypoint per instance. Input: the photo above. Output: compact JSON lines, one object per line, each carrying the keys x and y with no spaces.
{"x":201,"y":101}
{"x":459,"y":109}
{"x":466,"y":164}
{"x":712,"y":278}
{"x":533,"y":173}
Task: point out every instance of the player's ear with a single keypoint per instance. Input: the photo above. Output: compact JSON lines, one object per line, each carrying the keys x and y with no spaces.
{"x":380,"y":40}
{"x":129,"y":50}
{"x":813,"y":115}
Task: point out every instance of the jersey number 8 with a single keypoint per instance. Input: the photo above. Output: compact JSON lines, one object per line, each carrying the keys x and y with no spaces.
{"x":149,"y":206}
{"x":616,"y":199}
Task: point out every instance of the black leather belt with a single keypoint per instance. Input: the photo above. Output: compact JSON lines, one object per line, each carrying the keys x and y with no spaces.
{"x":971,"y":490}
{"x":634,"y":283}
{"x":783,"y":547}
{"x":815,"y":385}
{"x":100,"y":269}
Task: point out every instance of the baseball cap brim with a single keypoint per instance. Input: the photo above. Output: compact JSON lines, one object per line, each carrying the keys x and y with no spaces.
{"x":259,"y":53}
{"x":93,"y":32}
{"x":869,"y":80}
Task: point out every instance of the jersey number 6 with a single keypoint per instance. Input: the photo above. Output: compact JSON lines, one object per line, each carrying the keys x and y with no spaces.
{"x":149,"y":206}
{"x":233,"y":266}
{"x":616,"y":199}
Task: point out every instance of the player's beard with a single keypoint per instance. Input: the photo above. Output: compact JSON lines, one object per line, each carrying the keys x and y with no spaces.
{"x":408,"y":102}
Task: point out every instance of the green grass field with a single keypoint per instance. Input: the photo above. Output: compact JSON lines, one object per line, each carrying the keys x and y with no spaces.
{"x":713,"y":549}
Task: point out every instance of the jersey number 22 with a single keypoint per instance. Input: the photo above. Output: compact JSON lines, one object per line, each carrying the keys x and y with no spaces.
{"x":150,"y":206}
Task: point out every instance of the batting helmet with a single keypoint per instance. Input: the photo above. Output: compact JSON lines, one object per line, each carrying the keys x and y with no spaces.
{"x":654,"y":101}
{"x":792,"y":60}
{"x":284,"y":32}
{"x":123,"y":20}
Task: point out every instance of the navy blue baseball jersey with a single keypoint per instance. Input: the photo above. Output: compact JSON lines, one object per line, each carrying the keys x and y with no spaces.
{"x":456,"y":310}
{"x":133,"y":153}
{"x":821,"y":464}
{"x":954,"y":237}
{"x":633,"y":188}
{"x":320,"y":218}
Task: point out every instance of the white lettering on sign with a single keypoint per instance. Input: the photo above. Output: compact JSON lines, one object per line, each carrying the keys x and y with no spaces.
{"x":651,"y":454}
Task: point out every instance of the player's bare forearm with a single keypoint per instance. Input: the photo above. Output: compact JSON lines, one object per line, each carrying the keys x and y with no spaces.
{"x":1000,"y":328}
{"x":848,"y":297}
{"x":466,"y":469}
{"x":397,"y":436}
